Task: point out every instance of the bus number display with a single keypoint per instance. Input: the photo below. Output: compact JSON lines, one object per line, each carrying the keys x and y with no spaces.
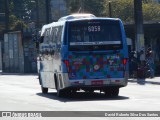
{"x":94,"y":28}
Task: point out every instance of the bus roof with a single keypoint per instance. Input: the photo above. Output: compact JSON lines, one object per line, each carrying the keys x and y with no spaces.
{"x":77,"y":16}
{"x":74,"y":17}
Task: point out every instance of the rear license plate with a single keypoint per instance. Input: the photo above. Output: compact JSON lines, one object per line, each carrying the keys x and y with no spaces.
{"x":97,"y":82}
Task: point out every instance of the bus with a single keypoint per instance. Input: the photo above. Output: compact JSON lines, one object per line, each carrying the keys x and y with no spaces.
{"x":83,"y":52}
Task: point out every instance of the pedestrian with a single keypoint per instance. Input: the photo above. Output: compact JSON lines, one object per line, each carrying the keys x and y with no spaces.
{"x":150,"y":61}
{"x":133,"y":66}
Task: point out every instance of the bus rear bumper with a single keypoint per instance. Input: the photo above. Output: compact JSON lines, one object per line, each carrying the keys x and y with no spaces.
{"x":94,"y":83}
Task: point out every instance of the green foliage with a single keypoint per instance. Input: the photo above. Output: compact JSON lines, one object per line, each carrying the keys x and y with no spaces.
{"x":151,"y":12}
{"x":12,"y":20}
{"x":22,"y":8}
{"x":17,"y":11}
{"x":25,"y":10}
{"x":19,"y":25}
{"x":15,"y":23}
{"x":94,"y":6}
{"x":124,"y":9}
{"x":87,"y":6}
{"x":11,"y":7}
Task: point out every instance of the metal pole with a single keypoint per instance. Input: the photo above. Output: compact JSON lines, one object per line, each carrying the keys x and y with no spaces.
{"x":6,"y":15}
{"x":110,"y":9}
{"x":47,"y":11}
{"x":37,"y":13}
{"x":139,"y":33}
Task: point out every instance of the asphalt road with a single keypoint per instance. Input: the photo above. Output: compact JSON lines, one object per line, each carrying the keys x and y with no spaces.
{"x":23,"y":93}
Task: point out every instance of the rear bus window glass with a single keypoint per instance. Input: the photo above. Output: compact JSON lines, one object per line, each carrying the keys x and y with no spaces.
{"x":105,"y":34}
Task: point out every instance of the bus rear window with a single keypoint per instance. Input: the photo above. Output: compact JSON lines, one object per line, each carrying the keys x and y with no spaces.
{"x":97,"y":35}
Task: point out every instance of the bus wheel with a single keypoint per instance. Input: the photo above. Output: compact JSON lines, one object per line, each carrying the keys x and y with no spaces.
{"x":91,"y":91}
{"x":107,"y":93}
{"x":60,"y":93}
{"x":44,"y":90}
{"x":111,"y":92}
{"x":115,"y":92}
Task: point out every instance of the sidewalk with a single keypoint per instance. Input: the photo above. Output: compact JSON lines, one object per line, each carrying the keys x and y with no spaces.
{"x":155,"y":80}
{"x":23,"y":74}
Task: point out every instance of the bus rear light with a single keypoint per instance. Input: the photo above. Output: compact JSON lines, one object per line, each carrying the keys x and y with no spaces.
{"x":66,"y":63}
{"x":124,"y":61}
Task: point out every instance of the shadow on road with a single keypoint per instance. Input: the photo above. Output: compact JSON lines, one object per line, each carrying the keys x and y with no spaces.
{"x":81,"y":96}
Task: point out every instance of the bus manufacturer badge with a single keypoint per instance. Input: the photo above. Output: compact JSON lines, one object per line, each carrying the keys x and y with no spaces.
{"x":96,"y":67}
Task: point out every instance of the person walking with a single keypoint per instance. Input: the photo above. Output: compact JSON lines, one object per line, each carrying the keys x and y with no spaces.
{"x":150,"y":61}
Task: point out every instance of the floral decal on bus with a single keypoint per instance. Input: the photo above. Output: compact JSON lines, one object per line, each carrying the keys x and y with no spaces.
{"x":90,"y":66}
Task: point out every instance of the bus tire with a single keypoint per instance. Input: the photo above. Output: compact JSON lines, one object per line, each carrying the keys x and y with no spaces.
{"x":112,"y":92}
{"x":115,"y":92}
{"x":39,"y":77}
{"x":55,"y":81}
{"x":60,"y":93}
{"x":44,"y":90}
{"x":107,"y":93}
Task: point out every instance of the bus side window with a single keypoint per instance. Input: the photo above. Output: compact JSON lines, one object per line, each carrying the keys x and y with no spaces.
{"x":54,"y":34}
{"x":46,"y":36}
{"x":53,"y":39}
{"x":50,"y":34}
{"x":59,"y":36}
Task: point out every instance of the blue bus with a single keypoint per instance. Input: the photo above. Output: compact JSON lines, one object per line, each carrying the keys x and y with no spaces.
{"x":83,"y":52}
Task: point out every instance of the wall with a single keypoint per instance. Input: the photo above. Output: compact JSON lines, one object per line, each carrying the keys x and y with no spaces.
{"x":13,"y":59}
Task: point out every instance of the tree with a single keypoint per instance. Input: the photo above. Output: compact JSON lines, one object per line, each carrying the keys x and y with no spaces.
{"x":12,"y":21}
{"x":151,"y":12}
{"x":124,"y":9}
{"x":19,"y":25}
{"x":94,"y":6}
{"x":22,"y":8}
{"x":90,"y":6}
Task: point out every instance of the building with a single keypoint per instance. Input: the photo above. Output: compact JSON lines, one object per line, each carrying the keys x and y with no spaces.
{"x":152,"y":38}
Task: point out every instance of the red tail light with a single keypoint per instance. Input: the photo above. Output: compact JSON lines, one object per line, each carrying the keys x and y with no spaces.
{"x":66,"y":62}
{"x":124,"y":61}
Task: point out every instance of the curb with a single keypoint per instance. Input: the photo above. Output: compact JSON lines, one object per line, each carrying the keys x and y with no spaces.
{"x":142,"y":81}
{"x":2,"y":73}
